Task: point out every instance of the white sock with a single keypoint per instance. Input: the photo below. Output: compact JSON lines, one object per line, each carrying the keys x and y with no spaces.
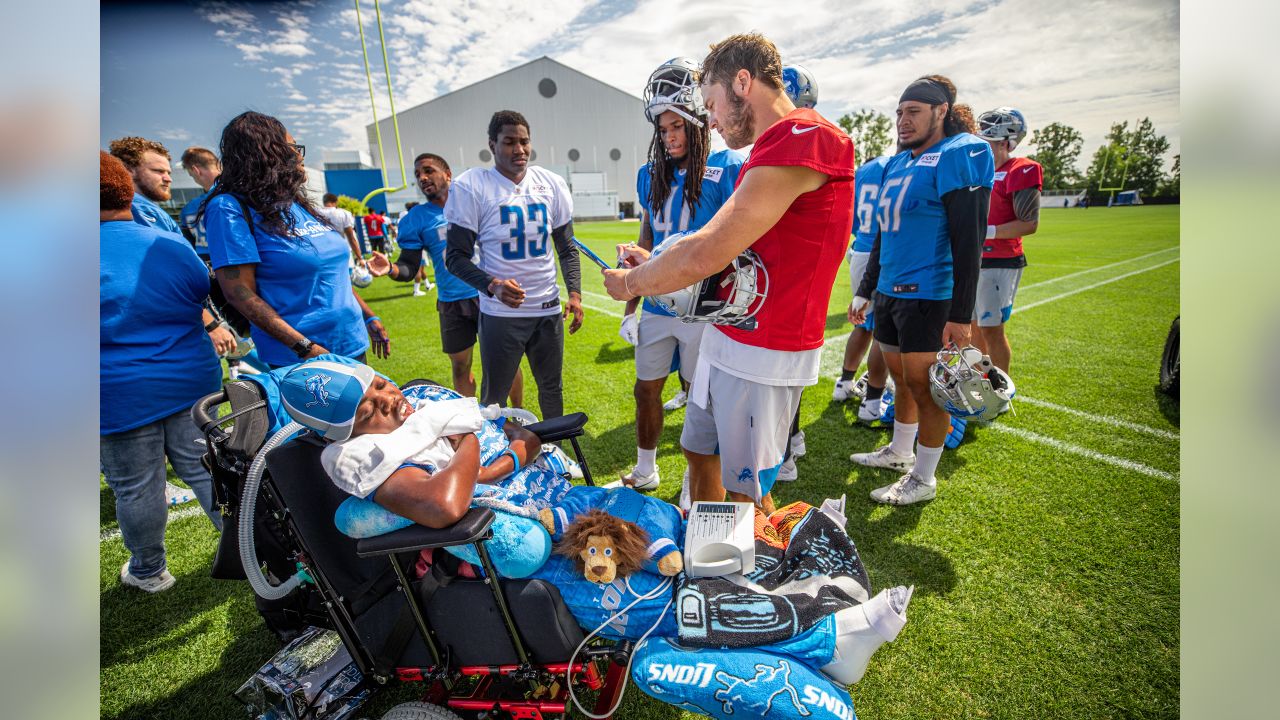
{"x":927,"y":463}
{"x":415,"y":286}
{"x":904,"y":436}
{"x":646,"y":461}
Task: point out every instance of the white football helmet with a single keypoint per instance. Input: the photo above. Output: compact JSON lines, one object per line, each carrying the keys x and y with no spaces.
{"x":674,"y":86}
{"x":1004,"y":123}
{"x":361,"y":277}
{"x":732,"y":296}
{"x":965,"y":384}
{"x":800,"y":85}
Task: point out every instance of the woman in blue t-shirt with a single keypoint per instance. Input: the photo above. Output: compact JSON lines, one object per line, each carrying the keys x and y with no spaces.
{"x":278,"y":261}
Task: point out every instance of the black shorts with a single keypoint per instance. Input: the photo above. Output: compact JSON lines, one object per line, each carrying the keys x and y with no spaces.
{"x":459,"y":324}
{"x":910,"y":325}
{"x":379,"y":243}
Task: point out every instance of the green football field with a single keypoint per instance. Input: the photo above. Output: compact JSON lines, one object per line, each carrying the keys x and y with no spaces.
{"x":1046,"y":571}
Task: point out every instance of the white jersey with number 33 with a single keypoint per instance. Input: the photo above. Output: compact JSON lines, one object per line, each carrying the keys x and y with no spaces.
{"x":513,"y":226}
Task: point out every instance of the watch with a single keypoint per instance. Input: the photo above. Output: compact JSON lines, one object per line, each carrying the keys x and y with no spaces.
{"x":302,"y":347}
{"x":213,"y":325}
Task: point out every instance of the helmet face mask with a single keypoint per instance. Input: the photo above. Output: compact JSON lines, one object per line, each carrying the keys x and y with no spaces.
{"x":967,"y":385}
{"x":1004,"y":123}
{"x":731,"y":297}
{"x":674,"y":87}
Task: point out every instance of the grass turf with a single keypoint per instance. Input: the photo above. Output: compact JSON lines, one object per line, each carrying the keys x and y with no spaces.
{"x":1046,"y":571}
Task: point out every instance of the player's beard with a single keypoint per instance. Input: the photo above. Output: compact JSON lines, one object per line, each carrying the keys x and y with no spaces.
{"x":155,"y":193}
{"x":739,"y":127}
{"x":922,"y":138}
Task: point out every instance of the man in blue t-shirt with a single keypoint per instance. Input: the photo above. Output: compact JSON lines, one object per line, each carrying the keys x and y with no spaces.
{"x":155,"y":363}
{"x":203,"y":167}
{"x":867,"y":183}
{"x":922,"y":276}
{"x":679,"y":189}
{"x":423,"y":229}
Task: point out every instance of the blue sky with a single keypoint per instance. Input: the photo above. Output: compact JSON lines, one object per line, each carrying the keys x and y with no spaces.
{"x":177,"y":72}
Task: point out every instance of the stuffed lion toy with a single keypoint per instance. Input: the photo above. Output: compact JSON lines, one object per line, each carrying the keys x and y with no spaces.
{"x":605,"y":547}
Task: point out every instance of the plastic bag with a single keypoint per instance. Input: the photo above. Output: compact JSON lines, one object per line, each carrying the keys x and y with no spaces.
{"x":311,"y":678}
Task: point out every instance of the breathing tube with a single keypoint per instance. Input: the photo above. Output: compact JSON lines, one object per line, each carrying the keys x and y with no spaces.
{"x":248,"y":501}
{"x":663,"y":586}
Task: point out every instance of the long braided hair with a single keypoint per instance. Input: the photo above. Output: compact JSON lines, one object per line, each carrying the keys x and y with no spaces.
{"x":260,"y":167}
{"x":663,"y":167}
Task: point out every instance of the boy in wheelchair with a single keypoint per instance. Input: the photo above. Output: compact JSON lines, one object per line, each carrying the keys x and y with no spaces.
{"x":419,"y":453}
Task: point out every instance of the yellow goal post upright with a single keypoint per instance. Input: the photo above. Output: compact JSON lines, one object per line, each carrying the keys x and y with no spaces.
{"x":395,"y":122}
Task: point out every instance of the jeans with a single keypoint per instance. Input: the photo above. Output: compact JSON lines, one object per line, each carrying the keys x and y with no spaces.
{"x":133,"y":463}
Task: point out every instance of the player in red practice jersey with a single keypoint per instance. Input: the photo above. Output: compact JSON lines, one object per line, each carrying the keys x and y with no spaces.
{"x":1015,"y":213}
{"x":793,"y":208}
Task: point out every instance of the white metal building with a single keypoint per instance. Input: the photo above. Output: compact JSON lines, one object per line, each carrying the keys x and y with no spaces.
{"x":593,"y":134}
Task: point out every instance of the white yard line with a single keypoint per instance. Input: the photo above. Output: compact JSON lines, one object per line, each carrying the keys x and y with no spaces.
{"x":1074,"y":449}
{"x":1103,"y":419}
{"x":174,"y":516}
{"x":1099,"y":284}
{"x":1096,"y":269}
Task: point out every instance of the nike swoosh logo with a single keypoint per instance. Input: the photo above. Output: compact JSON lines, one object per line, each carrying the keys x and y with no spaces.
{"x":1027,"y":170}
{"x":973,"y":188}
{"x":975,"y":153}
{"x":797,"y":131}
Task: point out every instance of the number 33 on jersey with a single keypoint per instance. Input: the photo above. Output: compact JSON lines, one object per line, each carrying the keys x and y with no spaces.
{"x":513,"y":224}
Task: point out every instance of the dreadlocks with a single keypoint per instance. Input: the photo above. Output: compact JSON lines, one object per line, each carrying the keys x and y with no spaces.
{"x":663,"y":166}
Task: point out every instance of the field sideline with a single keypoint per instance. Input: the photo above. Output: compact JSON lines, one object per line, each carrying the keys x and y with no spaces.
{"x":1046,"y":571}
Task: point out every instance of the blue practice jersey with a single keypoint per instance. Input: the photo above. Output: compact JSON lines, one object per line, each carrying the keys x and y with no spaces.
{"x":915,"y":243}
{"x":424,"y":227}
{"x":718,"y":182}
{"x":188,"y":219}
{"x":150,"y":214}
{"x":867,"y":186}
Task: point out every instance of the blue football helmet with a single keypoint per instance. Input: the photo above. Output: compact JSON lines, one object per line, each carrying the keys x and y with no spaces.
{"x":1004,"y":123}
{"x":674,"y":87}
{"x":966,"y":384}
{"x":800,"y":85}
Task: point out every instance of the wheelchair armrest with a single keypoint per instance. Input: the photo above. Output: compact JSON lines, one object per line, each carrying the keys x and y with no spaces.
{"x":472,"y":527}
{"x":560,"y":428}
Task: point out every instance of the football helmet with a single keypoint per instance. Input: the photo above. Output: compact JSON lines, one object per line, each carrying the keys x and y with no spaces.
{"x":967,"y":385}
{"x":732,"y":296}
{"x":800,"y":85}
{"x":674,"y":86}
{"x":1004,"y":123}
{"x":361,"y":277}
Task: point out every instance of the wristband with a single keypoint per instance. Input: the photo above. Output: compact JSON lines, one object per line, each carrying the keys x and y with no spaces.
{"x":515,"y":459}
{"x":991,"y":232}
{"x":371,"y":318}
{"x":214,"y":324}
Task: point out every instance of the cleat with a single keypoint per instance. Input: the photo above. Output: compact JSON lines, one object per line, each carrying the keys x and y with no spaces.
{"x":788,"y":472}
{"x":870,"y":410}
{"x":885,"y":457}
{"x":908,"y":490}
{"x":153,"y":584}
{"x":798,"y":448}
{"x":175,"y":495}
{"x":636,"y":481}
{"x":843,"y":391}
{"x":676,"y":402}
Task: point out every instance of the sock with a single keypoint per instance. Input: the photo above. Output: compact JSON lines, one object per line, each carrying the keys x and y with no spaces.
{"x":846,"y":375}
{"x":904,"y":436}
{"x":415,"y":286}
{"x":873,"y":392}
{"x":927,"y":463}
{"x":646,"y":461}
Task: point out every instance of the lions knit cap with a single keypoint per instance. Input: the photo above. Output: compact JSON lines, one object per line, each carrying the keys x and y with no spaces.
{"x":324,"y":395}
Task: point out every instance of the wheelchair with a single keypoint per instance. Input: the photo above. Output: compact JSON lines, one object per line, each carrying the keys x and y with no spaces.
{"x":489,"y":646}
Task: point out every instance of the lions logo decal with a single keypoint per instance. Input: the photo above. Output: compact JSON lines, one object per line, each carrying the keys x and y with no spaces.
{"x":316,"y":386}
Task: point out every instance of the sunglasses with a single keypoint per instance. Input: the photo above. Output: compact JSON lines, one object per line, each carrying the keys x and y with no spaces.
{"x":300,"y":149}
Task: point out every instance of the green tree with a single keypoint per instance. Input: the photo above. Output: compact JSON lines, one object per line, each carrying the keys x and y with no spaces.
{"x":1173,"y":186}
{"x":872,"y":133}
{"x":1134,"y":156}
{"x":1057,"y":149}
{"x":352,"y":205}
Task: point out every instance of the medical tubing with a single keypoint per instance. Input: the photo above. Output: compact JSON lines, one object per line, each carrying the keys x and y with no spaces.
{"x":664,"y":585}
{"x":248,"y":501}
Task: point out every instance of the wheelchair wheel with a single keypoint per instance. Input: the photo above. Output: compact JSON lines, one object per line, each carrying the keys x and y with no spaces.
{"x":420,"y":711}
{"x":1171,"y":362}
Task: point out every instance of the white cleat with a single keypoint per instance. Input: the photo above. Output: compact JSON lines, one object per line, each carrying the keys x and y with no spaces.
{"x":636,"y":481}
{"x":871,"y":410}
{"x":909,"y":489}
{"x":788,"y":472}
{"x":418,"y":293}
{"x":175,"y":495}
{"x":843,"y":390}
{"x":798,"y":448}
{"x":686,"y":502}
{"x":885,"y":457}
{"x":862,"y":629}
{"x":676,"y":402}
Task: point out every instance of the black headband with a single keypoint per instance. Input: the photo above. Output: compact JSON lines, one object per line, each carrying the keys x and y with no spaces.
{"x":927,"y":91}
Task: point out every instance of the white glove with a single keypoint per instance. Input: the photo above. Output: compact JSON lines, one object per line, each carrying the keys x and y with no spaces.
{"x":630,"y":329}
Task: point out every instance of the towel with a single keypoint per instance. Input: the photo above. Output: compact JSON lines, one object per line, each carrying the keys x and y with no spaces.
{"x":361,"y":464}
